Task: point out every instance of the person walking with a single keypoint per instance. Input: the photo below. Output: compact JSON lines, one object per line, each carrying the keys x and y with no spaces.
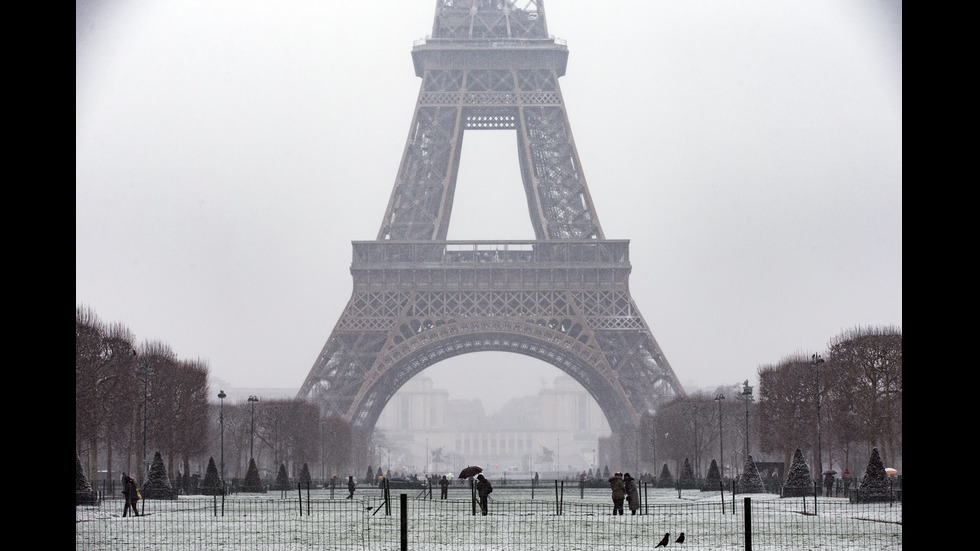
{"x":618,"y":492}
{"x":350,"y":487}
{"x":632,"y":493}
{"x":444,"y":485}
{"x":483,"y":488}
{"x":130,"y":495}
{"x":828,"y":483}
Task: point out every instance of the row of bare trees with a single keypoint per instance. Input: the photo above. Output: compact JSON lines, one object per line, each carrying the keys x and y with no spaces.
{"x":859,"y":393}
{"x":132,"y":400}
{"x":284,"y":432}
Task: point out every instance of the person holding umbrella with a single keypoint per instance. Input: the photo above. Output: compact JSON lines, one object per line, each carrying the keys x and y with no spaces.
{"x":483,"y":488}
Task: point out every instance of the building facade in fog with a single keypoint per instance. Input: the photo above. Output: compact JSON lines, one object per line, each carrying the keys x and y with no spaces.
{"x":423,"y":430}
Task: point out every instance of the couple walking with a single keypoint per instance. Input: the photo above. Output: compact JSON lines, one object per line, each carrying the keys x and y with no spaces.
{"x":624,"y":487}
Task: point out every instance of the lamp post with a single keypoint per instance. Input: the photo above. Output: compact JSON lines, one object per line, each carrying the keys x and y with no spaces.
{"x":721,"y":433}
{"x":251,"y":446}
{"x":816,"y":361}
{"x":747,"y":396}
{"x":221,"y":422}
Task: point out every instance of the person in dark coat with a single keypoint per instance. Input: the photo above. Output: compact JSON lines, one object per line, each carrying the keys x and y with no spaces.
{"x":618,"y":492}
{"x":632,"y":493}
{"x":350,"y":487}
{"x":828,"y":483}
{"x":130,"y":495}
{"x":483,"y":489}
{"x":444,"y":484}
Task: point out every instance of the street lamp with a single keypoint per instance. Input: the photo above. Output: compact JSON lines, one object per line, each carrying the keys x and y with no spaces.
{"x":251,"y":447}
{"x":747,"y":396}
{"x":721,"y":441}
{"x":816,"y":362}
{"x":221,"y":421}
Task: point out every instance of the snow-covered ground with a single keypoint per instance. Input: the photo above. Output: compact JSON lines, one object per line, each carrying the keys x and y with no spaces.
{"x":259,"y":522}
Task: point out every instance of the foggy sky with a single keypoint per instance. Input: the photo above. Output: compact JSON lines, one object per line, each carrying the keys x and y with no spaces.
{"x":227,"y":153}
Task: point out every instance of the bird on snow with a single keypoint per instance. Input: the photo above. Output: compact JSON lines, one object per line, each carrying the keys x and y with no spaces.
{"x":680,"y":538}
{"x":665,"y":541}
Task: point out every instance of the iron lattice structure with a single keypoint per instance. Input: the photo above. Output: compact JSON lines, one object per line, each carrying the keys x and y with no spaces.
{"x":562,"y":298}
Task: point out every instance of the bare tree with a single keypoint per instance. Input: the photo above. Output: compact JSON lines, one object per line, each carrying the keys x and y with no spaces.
{"x":787,"y":406}
{"x":191,"y":411}
{"x":105,"y":382}
{"x":337,"y":443}
{"x":869,"y":383}
{"x":289,"y":429}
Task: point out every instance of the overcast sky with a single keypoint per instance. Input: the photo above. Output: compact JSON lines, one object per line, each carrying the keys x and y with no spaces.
{"x":228,"y":152}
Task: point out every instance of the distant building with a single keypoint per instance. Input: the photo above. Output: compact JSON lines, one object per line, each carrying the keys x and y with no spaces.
{"x":557,"y":429}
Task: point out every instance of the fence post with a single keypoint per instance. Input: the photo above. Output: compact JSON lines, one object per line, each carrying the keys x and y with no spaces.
{"x":734,"y":489}
{"x":748,"y":524}
{"x":561,"y":502}
{"x":299,"y":490}
{"x":721,"y":487}
{"x":387,"y":498}
{"x":473,"y":496}
{"x":403,"y":499}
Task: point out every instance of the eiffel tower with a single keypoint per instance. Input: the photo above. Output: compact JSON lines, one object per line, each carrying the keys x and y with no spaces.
{"x":562,"y":298}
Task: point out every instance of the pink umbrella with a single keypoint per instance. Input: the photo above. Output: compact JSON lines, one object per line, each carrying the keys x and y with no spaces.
{"x":890,"y":471}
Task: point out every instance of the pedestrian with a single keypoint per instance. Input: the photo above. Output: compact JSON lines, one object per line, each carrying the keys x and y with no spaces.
{"x":618,"y":492}
{"x":130,"y":495}
{"x":483,"y":488}
{"x":444,"y":485}
{"x":350,"y":487}
{"x":632,"y":493}
{"x":828,"y":483}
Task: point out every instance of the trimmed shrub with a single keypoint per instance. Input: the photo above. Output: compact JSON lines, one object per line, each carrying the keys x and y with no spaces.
{"x":212,"y":485}
{"x":798,"y":480}
{"x":158,"y":483}
{"x":712,"y":481}
{"x":875,"y":486}
{"x":687,"y":480}
{"x":84,"y":494}
{"x":751,"y":482}
{"x":666,"y":480}
{"x":253,"y":482}
{"x":282,"y":479}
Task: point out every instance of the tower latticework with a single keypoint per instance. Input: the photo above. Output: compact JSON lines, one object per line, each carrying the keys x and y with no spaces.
{"x":562,"y":298}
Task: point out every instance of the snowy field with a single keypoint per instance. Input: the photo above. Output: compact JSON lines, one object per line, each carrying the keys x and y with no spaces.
{"x":566,"y":521}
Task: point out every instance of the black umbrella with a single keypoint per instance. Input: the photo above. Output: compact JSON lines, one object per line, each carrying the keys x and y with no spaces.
{"x":472,"y":470}
{"x":830,"y":471}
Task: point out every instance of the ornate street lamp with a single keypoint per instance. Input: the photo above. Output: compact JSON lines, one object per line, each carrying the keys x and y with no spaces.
{"x":721,"y":441}
{"x":747,"y":396}
{"x":221,"y":421}
{"x":251,"y":447}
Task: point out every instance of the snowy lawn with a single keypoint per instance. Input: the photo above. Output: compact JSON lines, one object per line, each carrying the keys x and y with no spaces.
{"x":259,"y":522}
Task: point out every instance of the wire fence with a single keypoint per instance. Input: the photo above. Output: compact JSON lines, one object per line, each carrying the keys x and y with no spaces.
{"x":414,"y":520}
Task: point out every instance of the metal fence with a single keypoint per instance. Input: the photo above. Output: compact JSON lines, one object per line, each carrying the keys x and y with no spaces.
{"x":579,"y":520}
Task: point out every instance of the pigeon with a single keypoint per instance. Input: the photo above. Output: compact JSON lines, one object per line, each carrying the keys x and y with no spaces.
{"x":665,"y":541}
{"x":680,"y":538}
